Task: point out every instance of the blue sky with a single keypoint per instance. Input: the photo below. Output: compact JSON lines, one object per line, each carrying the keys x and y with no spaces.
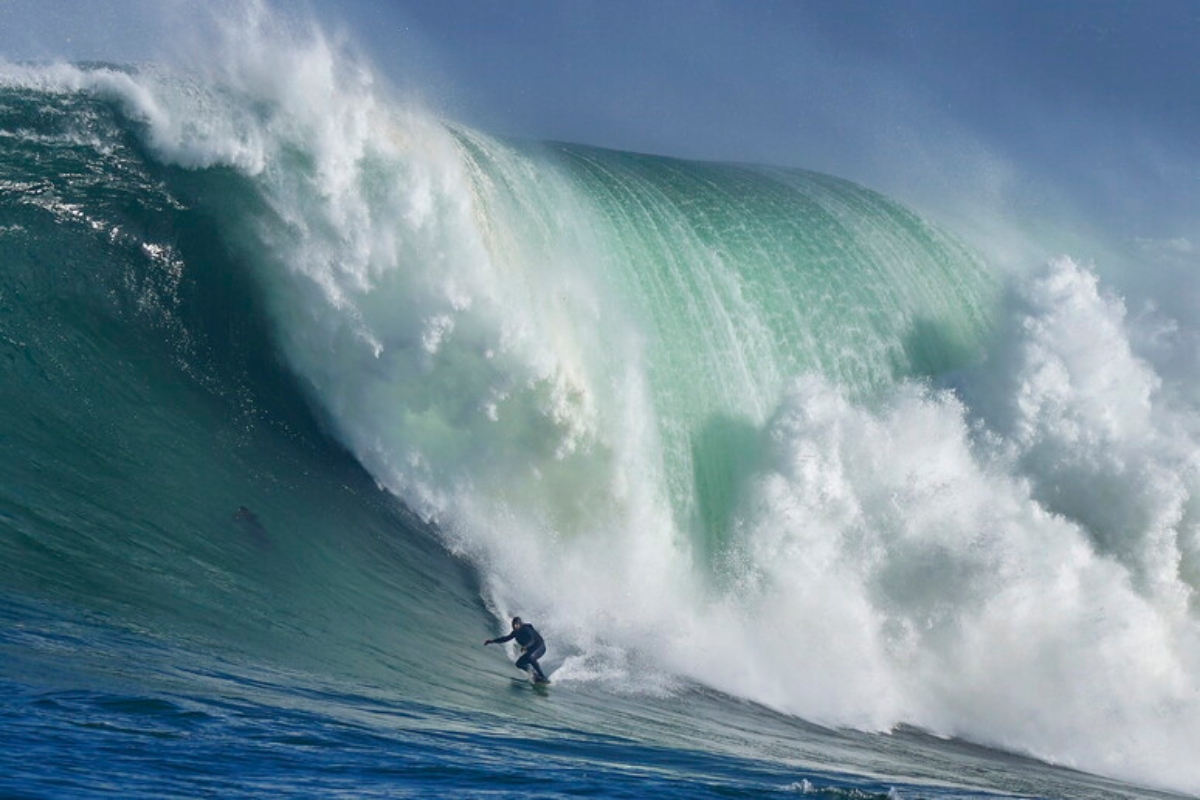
{"x":1088,"y":105}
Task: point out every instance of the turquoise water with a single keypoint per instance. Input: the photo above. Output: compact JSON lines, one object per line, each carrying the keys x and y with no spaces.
{"x":691,"y":419}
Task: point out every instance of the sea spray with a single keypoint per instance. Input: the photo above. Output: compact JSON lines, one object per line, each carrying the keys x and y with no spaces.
{"x":1090,"y":426}
{"x":896,"y":565}
{"x":935,"y":560}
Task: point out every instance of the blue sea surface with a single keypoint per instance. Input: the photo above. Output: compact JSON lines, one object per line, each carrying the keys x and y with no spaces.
{"x":92,"y":710}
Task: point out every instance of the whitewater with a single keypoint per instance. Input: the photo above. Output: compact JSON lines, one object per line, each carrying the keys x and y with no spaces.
{"x":791,"y":477}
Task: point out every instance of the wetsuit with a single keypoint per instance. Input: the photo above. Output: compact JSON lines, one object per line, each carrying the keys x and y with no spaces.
{"x":532,"y":645}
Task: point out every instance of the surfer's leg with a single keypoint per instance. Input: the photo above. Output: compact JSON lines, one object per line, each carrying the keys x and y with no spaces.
{"x":532,"y":659}
{"x":528,"y":661}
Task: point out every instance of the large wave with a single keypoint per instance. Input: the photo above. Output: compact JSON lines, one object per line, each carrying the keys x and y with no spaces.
{"x":697,"y":419}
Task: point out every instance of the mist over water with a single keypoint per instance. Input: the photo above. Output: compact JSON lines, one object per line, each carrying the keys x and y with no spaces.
{"x":768,"y":431}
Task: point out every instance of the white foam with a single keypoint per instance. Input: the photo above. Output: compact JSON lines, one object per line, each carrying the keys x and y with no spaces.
{"x":1026,"y":583}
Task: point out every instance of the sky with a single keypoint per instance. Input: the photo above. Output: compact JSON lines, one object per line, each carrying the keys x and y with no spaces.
{"x":1084,"y":108}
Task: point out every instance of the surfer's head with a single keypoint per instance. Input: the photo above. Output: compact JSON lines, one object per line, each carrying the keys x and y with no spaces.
{"x":516,"y":623}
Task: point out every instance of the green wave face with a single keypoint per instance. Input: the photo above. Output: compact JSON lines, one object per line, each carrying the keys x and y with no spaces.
{"x":142,"y":407}
{"x":716,"y":284}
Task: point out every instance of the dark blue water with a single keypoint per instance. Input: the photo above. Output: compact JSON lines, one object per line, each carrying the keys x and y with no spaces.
{"x":94,"y":708}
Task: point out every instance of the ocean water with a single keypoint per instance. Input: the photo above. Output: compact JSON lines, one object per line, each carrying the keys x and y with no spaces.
{"x":306,"y":390}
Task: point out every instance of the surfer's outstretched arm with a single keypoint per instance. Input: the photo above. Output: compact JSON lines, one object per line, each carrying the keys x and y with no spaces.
{"x":502,"y":639}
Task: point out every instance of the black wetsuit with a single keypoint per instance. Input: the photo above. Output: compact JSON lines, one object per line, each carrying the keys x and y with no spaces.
{"x":532,"y":645}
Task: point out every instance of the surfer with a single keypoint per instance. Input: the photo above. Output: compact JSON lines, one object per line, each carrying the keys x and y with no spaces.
{"x":533,"y":647}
